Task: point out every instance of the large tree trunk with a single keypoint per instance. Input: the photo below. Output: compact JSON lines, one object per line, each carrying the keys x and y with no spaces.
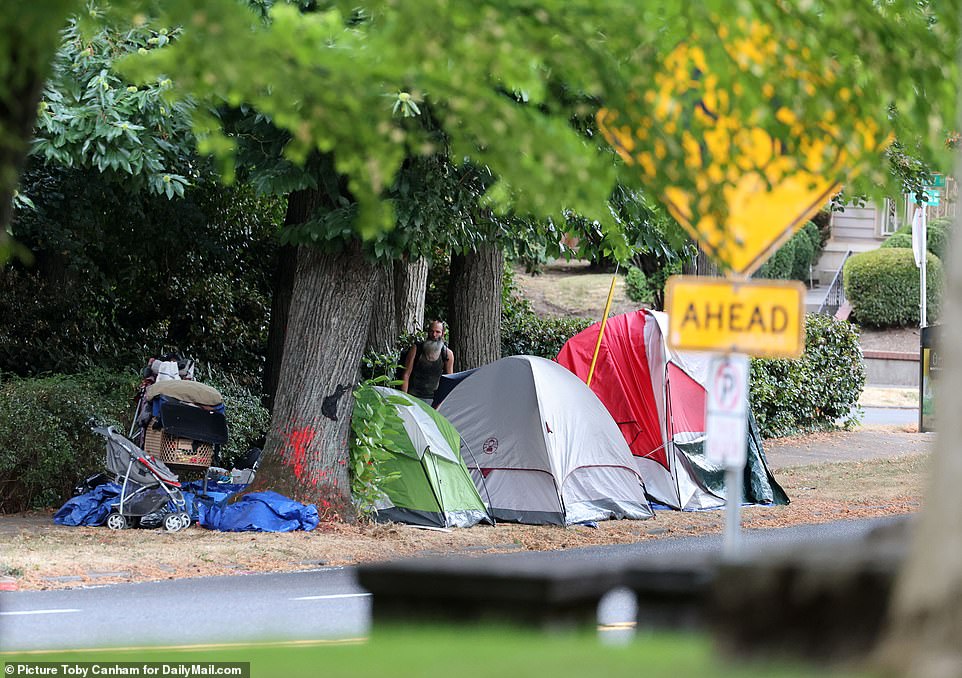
{"x":383,"y":331}
{"x":410,"y":285}
{"x":306,"y":456}
{"x":474,"y":307}
{"x":300,"y":207}
{"x":925,"y":634}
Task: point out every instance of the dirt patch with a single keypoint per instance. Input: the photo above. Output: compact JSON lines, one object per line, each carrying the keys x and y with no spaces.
{"x":41,"y":555}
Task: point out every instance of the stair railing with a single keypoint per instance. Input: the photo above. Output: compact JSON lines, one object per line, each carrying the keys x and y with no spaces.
{"x":835,"y":296}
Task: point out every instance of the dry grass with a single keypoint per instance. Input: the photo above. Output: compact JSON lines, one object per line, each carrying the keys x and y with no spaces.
{"x":36,"y":551}
{"x":568,"y":290}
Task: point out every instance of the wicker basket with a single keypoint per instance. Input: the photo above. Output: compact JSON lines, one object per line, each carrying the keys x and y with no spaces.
{"x":177,"y":451}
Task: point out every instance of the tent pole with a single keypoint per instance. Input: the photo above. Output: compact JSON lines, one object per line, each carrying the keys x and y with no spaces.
{"x":434,"y":491}
{"x":484,"y":483}
{"x":604,"y":321}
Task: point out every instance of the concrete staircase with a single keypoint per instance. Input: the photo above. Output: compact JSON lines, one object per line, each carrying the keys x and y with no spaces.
{"x":834,"y":253}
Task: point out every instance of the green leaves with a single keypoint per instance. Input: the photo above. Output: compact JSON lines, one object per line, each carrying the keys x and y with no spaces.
{"x":816,"y":391}
{"x":91,"y":117}
{"x":373,"y":425}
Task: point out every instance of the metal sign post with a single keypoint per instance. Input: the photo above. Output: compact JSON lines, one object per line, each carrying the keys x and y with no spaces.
{"x":726,"y":422}
{"x":933,"y":197}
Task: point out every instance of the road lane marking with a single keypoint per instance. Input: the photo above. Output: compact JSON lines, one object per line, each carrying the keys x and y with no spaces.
{"x":24,"y":612}
{"x":617,"y":626}
{"x":333,"y":596}
{"x":191,"y":648}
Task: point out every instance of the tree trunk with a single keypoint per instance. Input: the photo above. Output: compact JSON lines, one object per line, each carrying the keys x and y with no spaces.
{"x":383,"y":330}
{"x":474,"y":307}
{"x":306,"y":456}
{"x":300,"y":207}
{"x":410,"y":285}
{"x":925,"y":632}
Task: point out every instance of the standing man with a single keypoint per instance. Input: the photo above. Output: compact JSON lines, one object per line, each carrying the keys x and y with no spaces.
{"x":426,"y":361}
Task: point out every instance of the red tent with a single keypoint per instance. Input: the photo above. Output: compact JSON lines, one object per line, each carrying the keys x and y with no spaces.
{"x":657,"y":398}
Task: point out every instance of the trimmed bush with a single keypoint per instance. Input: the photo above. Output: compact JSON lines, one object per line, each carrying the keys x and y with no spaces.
{"x":937,"y":232}
{"x":530,"y":334}
{"x":898,"y":239}
{"x":794,"y":259}
{"x":779,"y":266}
{"x":937,"y":237}
{"x":815,"y":391}
{"x":803,"y":253}
{"x":46,"y":447}
{"x":883,"y":287}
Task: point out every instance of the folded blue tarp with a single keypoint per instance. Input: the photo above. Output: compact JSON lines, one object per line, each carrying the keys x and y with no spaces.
{"x":259,"y":512}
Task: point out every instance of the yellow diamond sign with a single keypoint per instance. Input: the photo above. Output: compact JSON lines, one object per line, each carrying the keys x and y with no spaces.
{"x":687,"y":126}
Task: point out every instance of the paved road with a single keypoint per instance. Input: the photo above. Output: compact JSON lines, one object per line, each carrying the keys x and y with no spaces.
{"x":891,"y":415}
{"x":322,"y":604}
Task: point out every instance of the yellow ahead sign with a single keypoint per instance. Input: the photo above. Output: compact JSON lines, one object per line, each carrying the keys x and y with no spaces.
{"x":765,"y":319}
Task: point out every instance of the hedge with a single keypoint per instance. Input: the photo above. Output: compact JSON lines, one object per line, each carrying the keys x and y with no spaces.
{"x":898,"y":239}
{"x":779,"y":266}
{"x":46,"y":447}
{"x":794,"y":259}
{"x":815,"y":391}
{"x":883,"y":287}
{"x":529,"y":334}
{"x":937,"y":233}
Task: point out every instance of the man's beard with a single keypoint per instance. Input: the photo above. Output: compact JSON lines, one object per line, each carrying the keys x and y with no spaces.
{"x":432,"y":349}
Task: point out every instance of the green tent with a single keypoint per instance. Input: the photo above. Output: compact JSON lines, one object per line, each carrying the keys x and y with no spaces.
{"x":433,"y":487}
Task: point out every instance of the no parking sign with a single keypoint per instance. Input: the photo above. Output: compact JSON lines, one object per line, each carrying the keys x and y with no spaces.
{"x":726,"y":411}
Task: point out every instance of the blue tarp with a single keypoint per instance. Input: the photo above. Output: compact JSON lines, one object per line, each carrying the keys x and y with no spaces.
{"x":256,"y":511}
{"x":90,"y":508}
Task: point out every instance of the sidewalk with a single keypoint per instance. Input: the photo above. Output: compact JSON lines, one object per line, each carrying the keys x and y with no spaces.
{"x":863,"y":444}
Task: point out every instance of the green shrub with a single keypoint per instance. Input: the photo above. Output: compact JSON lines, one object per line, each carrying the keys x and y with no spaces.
{"x":636,"y":285}
{"x":513,"y":303}
{"x":937,"y":236}
{"x":650,"y":289}
{"x":779,"y":266}
{"x":815,"y":391}
{"x":45,"y":444}
{"x":46,"y":447}
{"x":898,"y":239}
{"x":247,"y":419}
{"x":794,"y":259}
{"x":803,"y":253}
{"x":822,"y":220}
{"x":815,"y":236}
{"x":883,"y":287}
{"x":937,"y":232}
{"x":532,"y":335}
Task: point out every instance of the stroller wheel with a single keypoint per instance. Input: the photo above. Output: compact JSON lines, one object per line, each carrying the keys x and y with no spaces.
{"x":173,"y":522}
{"x":116,"y":521}
{"x":184,"y":520}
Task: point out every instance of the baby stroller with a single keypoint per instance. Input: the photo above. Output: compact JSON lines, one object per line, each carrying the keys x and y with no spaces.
{"x":149,"y":490}
{"x":178,"y":420}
